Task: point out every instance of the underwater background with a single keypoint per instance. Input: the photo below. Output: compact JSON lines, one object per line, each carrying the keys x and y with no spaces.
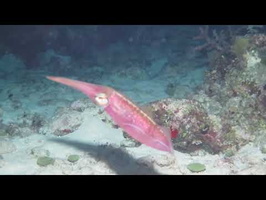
{"x":207,"y":83}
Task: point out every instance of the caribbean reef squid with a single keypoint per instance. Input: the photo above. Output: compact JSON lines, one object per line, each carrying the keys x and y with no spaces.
{"x":124,"y":113}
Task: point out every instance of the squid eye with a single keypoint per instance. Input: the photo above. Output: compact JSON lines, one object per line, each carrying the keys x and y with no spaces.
{"x":101,"y":99}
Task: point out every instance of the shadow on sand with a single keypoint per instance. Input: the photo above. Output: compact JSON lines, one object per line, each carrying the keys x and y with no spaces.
{"x":116,"y":158}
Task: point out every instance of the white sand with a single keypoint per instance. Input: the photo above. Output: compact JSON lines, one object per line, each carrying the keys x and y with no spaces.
{"x":98,"y":144}
{"x":100,"y":153}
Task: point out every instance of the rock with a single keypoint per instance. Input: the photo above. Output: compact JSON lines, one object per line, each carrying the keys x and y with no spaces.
{"x":20,"y":130}
{"x":13,"y":129}
{"x":73,"y":158}
{"x":16,"y":104}
{"x":229,"y":153}
{"x":195,"y":127}
{"x":178,"y":91}
{"x":196,"y":167}
{"x":164,"y":160}
{"x":200,"y":152}
{"x":39,"y":152}
{"x":134,"y":73}
{"x":145,"y":161}
{"x":157,"y":67}
{"x":3,"y":133}
{"x":129,"y":143}
{"x":6,"y":147}
{"x":25,"y":132}
{"x":263,"y":149}
{"x":65,"y":122}
{"x":255,"y":170}
{"x":52,"y":60}
{"x":80,"y":105}
{"x":45,"y":160}
{"x":1,"y":113}
{"x":159,"y":160}
{"x":252,"y":160}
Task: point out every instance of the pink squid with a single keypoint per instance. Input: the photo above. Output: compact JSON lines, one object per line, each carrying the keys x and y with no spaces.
{"x":124,"y":113}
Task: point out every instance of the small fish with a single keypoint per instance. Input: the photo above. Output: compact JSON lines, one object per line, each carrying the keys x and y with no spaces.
{"x":124,"y":113}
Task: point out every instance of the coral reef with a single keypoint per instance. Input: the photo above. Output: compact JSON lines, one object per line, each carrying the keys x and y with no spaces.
{"x":229,"y":111}
{"x":189,"y":117}
{"x":25,"y":125}
{"x":235,"y":82}
{"x":240,"y":46}
{"x":215,"y":41}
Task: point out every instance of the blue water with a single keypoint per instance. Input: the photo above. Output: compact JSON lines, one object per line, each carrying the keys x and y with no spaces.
{"x":139,"y":61}
{"x":146,"y":63}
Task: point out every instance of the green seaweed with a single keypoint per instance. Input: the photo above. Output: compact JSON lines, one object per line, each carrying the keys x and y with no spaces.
{"x":170,"y":89}
{"x":263,"y":61}
{"x":230,"y":136}
{"x":240,"y":46}
{"x":73,"y":158}
{"x":45,"y":160}
{"x":229,"y":153}
{"x":263,"y":149}
{"x":196,"y":167}
{"x":184,"y":134}
{"x":3,"y":133}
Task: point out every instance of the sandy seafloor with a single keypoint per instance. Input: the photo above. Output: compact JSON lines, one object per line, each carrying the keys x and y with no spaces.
{"x":96,"y":142}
